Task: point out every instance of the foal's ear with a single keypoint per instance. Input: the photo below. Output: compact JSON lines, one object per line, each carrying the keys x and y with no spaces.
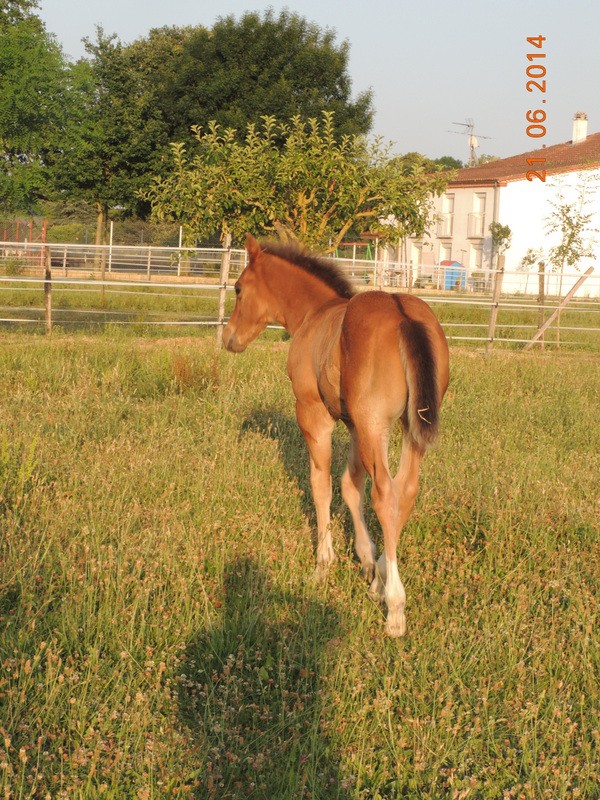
{"x":252,"y":246}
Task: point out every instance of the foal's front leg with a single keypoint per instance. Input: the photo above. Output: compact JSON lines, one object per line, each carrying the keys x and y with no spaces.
{"x":317,"y":426}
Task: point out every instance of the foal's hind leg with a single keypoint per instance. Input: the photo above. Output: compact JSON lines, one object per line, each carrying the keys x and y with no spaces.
{"x":407,"y":486}
{"x":353,"y":484}
{"x":386,"y":502}
{"x":317,"y":426}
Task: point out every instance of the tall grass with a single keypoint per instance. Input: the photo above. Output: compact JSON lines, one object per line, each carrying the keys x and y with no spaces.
{"x":159,"y":637}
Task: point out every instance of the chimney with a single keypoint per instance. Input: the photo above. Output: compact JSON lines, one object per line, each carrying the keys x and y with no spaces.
{"x":580,"y":122}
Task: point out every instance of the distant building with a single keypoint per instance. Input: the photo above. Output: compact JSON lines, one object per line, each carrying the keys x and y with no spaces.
{"x":499,"y":191}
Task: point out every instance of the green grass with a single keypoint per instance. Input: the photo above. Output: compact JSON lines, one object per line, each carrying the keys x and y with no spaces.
{"x":159,"y":636}
{"x":140,"y":309}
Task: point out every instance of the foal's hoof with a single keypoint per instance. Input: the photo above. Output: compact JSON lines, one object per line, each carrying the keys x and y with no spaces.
{"x":368,"y":572}
{"x":320,"y":574}
{"x":396,"y":625}
{"x":377,"y":589}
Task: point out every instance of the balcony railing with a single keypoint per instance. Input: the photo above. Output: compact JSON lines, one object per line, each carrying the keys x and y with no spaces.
{"x":476,"y":225}
{"x":444,"y":225}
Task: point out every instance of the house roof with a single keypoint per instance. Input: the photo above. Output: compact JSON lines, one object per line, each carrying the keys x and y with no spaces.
{"x":566,"y":157}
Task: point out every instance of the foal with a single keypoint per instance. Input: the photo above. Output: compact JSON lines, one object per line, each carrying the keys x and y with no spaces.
{"x":368,"y":359}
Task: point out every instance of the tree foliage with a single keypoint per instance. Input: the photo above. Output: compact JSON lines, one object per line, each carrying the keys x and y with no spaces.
{"x":449,"y":162}
{"x":14,"y":11}
{"x":128,"y":102}
{"x":115,"y":137}
{"x":296,"y":180}
{"x":501,"y":237}
{"x":241,"y":70}
{"x":572,"y":222}
{"x":32,"y":105}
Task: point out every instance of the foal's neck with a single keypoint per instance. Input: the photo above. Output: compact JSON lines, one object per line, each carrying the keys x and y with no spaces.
{"x":298,"y":294}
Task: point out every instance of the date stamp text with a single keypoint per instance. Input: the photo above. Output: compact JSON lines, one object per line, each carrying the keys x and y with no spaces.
{"x":536,"y":84}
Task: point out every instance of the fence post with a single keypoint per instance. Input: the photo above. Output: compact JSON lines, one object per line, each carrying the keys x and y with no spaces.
{"x":498,"y":277}
{"x":110,"y":246}
{"x":225,"y":261}
{"x":179,"y":251}
{"x":541,"y":297}
{"x":48,"y":292}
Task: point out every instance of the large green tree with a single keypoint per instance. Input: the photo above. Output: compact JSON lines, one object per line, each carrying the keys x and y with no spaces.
{"x":33,"y":91}
{"x":296,"y":180}
{"x":271,"y":65}
{"x":115,"y":137}
{"x":129,"y":101}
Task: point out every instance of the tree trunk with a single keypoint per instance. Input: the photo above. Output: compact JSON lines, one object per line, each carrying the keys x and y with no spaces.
{"x":101,"y":221}
{"x":100,"y":254}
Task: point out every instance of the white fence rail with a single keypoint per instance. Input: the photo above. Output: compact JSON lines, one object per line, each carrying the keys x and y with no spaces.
{"x":75,"y":259}
{"x":164,"y":287}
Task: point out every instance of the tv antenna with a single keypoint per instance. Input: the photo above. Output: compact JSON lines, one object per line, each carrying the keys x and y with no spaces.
{"x":469,"y":126}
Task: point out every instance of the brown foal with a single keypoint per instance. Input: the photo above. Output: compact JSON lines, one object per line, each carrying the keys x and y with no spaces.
{"x":367,"y":359}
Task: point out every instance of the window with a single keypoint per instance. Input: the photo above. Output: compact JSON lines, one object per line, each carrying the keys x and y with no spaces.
{"x":476,"y":257}
{"x":445,"y":251}
{"x":476,"y":222}
{"x":448,"y":204}
{"x":446,"y":218}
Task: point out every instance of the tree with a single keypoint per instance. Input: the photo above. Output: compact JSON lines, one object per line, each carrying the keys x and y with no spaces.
{"x":128,"y":102}
{"x":241,"y":70}
{"x":115,"y":136}
{"x":501,"y":238}
{"x":449,"y":162}
{"x":14,"y":11}
{"x":571,"y":221}
{"x":295,"y":180}
{"x":32,"y":105}
{"x":485,"y":158}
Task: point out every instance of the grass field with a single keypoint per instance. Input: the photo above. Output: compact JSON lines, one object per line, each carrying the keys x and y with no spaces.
{"x":159,"y":636}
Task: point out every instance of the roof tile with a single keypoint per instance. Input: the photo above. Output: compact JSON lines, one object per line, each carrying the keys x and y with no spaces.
{"x":566,"y":157}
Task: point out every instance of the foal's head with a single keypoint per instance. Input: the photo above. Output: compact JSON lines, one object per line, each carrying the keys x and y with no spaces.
{"x":252,"y":312}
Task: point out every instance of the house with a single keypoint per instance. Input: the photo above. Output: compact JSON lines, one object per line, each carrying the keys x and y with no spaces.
{"x":518,"y":192}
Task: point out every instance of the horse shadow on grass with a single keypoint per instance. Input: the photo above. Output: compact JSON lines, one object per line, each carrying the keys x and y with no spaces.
{"x":251,"y":694}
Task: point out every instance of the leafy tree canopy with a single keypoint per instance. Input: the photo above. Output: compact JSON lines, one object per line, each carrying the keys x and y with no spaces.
{"x":296,"y":180}
{"x":448,"y":162}
{"x":14,"y":11}
{"x":241,"y":70}
{"x":573,"y":222}
{"x":32,"y":104}
{"x":115,"y":137}
{"x":131,"y":101}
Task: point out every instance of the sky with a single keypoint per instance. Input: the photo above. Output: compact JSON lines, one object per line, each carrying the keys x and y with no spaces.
{"x":430,"y":64}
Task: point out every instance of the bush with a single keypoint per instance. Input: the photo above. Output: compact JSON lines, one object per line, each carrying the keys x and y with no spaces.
{"x":12,"y":266}
{"x":68,"y":233}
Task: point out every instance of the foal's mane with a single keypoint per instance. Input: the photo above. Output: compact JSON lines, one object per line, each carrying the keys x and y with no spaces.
{"x":324,"y":269}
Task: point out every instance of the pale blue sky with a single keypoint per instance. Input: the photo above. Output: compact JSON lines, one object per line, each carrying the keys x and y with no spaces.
{"x":430,"y":63}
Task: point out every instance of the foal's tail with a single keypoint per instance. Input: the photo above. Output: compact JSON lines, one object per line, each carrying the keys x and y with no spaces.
{"x":418,"y":352}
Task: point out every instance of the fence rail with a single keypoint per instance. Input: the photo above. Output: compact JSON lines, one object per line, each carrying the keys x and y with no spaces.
{"x":83,"y":285}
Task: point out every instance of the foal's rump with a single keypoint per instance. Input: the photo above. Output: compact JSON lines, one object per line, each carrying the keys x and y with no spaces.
{"x":394,"y":363}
